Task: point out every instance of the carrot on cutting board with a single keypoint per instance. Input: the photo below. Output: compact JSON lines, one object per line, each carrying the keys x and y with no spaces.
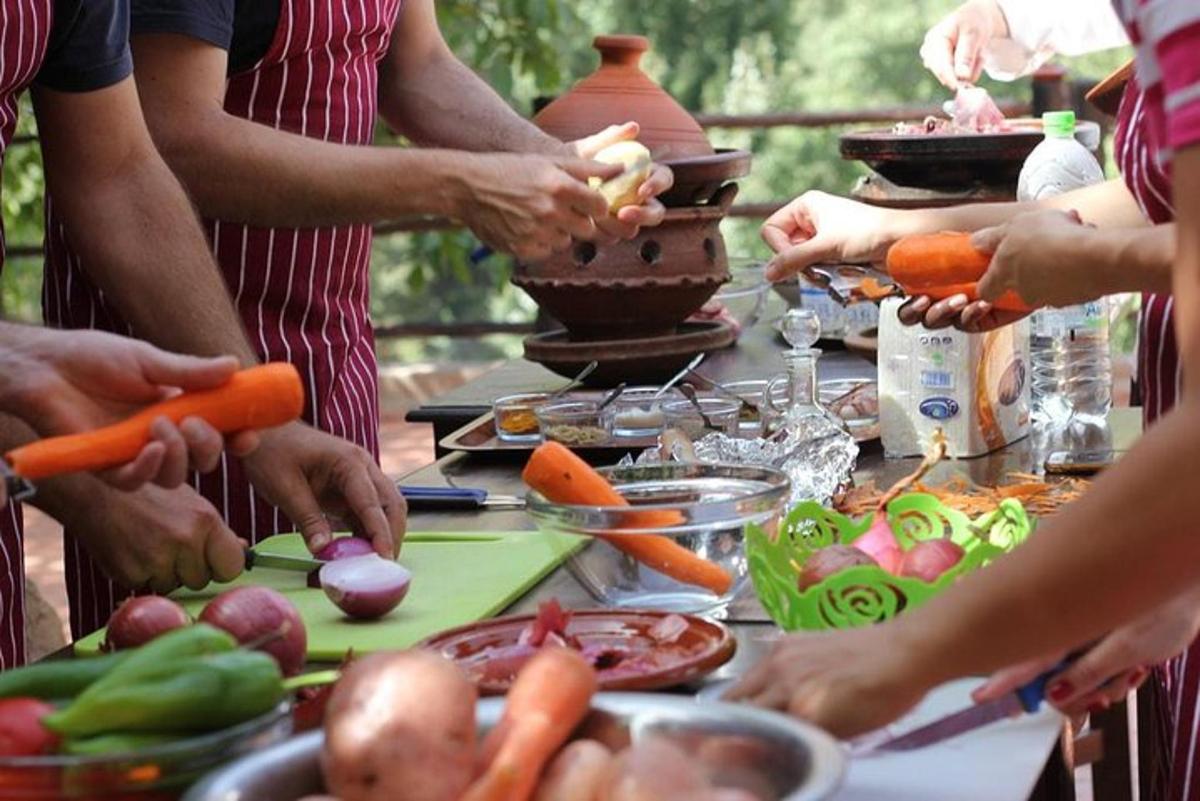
{"x":550,"y":697}
{"x":943,"y":265}
{"x":563,"y":477}
{"x":259,"y":397}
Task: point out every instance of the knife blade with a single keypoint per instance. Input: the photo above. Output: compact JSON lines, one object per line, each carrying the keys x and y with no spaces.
{"x":275,"y":561}
{"x":1026,"y":699}
{"x":456,"y":498}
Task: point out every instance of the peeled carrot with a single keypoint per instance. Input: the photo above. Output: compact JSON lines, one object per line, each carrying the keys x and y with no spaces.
{"x":943,"y":265}
{"x":550,"y":697}
{"x":259,"y":397}
{"x":563,"y":477}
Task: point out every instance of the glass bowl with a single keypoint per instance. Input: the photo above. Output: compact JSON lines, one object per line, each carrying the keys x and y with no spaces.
{"x":637,"y":413}
{"x":746,"y":293}
{"x":160,"y":773}
{"x":515,"y":416}
{"x":707,"y":509}
{"x":722,"y":413}
{"x":577,"y":424}
{"x":755,"y":406}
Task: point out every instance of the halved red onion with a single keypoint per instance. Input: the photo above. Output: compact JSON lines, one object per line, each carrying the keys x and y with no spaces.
{"x":365,"y":587}
{"x":340,"y":548}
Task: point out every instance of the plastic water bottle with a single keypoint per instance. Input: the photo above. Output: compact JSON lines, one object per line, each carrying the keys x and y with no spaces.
{"x":1072,"y":364}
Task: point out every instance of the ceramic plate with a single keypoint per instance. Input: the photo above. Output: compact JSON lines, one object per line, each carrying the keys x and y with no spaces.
{"x":631,"y":650}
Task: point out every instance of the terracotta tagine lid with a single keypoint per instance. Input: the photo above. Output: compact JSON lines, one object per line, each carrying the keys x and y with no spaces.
{"x":618,"y":92}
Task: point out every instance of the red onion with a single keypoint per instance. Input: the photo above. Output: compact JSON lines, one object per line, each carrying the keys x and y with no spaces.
{"x":365,"y":587}
{"x":930,"y":559}
{"x":261,"y":617}
{"x":829,"y":561}
{"x":340,"y":548}
{"x":879,"y":542}
{"x":139,"y":620}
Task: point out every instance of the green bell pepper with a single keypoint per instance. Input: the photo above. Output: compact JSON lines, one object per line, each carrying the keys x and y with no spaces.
{"x":188,"y":694}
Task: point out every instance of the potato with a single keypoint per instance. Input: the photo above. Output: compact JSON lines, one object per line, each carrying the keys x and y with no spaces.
{"x":400,"y":724}
{"x":576,"y":774}
{"x":622,"y":191}
{"x":654,"y":770}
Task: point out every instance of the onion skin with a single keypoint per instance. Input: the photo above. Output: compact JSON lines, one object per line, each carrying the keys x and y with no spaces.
{"x":928,"y":560}
{"x":829,"y":561}
{"x":139,"y":620}
{"x":365,"y":587}
{"x":880,"y":543}
{"x":252,"y":614}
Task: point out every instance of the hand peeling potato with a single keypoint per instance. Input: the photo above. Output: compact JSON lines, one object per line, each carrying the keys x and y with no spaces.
{"x":622,"y":191}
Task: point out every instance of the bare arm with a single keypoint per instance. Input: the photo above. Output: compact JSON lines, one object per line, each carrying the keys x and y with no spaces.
{"x":431,"y":97}
{"x":126,"y":211}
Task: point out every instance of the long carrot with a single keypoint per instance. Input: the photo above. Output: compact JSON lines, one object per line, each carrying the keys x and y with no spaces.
{"x":563,"y":477}
{"x":550,"y":697}
{"x":259,"y":397}
{"x":943,"y":265}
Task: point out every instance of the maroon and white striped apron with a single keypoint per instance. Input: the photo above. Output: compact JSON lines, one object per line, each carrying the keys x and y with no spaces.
{"x":1160,"y":379}
{"x":24,"y":32}
{"x":301,"y":293}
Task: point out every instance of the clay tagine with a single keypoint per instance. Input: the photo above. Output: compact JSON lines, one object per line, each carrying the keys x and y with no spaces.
{"x":620,"y":92}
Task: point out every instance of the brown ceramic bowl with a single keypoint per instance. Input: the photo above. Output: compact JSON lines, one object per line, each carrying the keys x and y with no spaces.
{"x":698,"y":179}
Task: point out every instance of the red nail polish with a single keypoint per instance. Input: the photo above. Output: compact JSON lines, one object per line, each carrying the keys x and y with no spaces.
{"x":1060,"y":691}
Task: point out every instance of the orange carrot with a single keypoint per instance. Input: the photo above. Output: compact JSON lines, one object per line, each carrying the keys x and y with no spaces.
{"x":563,"y":477}
{"x":943,"y":265}
{"x":260,"y":397}
{"x":550,"y":697}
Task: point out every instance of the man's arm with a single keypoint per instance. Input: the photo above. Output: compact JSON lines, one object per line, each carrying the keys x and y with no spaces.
{"x":431,"y":97}
{"x":125,"y":210}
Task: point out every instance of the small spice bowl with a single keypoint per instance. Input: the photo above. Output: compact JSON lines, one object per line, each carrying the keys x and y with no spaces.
{"x":638,"y":413}
{"x":515,"y":417}
{"x":723,"y":413}
{"x":576,"y":424}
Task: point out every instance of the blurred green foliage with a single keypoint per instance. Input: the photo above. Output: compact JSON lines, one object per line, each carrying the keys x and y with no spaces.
{"x":725,"y":56}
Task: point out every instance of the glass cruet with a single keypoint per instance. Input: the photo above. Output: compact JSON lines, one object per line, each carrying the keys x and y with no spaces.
{"x":803,"y":409}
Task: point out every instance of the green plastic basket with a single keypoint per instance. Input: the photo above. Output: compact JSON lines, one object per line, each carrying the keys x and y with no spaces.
{"x":863,"y":595}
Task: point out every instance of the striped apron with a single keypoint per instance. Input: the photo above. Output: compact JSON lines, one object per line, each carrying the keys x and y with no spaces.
{"x":301,"y":293}
{"x":1177,"y":683}
{"x":24,"y":32}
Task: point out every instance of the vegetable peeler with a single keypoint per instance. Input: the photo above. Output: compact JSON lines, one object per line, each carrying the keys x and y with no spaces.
{"x":844,"y":282}
{"x":456,"y":499}
{"x":16,"y":487}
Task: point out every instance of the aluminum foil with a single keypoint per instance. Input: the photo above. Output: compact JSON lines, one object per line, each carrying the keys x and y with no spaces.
{"x":815,"y":452}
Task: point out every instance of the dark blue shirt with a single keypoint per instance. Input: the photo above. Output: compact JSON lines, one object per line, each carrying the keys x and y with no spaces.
{"x":243,"y":28}
{"x":88,"y":47}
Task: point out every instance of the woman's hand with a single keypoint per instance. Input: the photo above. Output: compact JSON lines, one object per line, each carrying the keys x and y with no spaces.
{"x":818,"y":228}
{"x":847,"y":682}
{"x":64,"y":382}
{"x":1113,"y":667}
{"x":650,"y":211}
{"x":953,"y":49}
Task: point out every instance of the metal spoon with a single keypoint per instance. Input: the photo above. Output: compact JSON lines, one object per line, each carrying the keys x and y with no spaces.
{"x":692,"y":365}
{"x":727,"y":392}
{"x":576,"y":381}
{"x":689,"y":392}
{"x":611,"y":396}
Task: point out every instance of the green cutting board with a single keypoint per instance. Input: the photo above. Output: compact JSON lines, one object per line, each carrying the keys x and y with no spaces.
{"x":458,"y":578}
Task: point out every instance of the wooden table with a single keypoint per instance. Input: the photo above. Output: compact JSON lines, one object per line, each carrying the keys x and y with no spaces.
{"x":757,"y":356}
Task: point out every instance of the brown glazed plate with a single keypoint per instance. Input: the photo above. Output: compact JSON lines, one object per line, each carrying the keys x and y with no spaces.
{"x":620,"y":643}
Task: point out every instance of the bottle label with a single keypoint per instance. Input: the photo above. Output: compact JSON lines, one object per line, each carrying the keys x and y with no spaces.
{"x":939,"y":408}
{"x":937,"y":379}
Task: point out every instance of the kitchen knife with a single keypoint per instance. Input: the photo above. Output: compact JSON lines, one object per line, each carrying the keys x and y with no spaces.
{"x":15,"y":487}
{"x":1025,"y":699}
{"x":275,"y":561}
{"x":456,"y":499}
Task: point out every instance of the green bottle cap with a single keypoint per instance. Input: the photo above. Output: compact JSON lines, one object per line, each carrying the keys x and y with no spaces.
{"x":1059,"y":124}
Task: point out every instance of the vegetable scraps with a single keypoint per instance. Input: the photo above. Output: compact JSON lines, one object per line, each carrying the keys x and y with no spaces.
{"x":260,"y":397}
{"x":561,"y":476}
{"x":942,"y":265}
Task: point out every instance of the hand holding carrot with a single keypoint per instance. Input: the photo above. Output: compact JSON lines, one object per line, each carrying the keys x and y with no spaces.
{"x":69,"y":382}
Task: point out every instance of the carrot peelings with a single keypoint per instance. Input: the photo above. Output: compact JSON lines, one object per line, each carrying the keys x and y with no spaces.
{"x":943,"y":265}
{"x":561,"y":476}
{"x":550,"y":697}
{"x":259,"y":397}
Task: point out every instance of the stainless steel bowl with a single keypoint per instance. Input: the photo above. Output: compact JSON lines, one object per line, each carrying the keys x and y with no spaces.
{"x":708,"y":508}
{"x":773,"y":756}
